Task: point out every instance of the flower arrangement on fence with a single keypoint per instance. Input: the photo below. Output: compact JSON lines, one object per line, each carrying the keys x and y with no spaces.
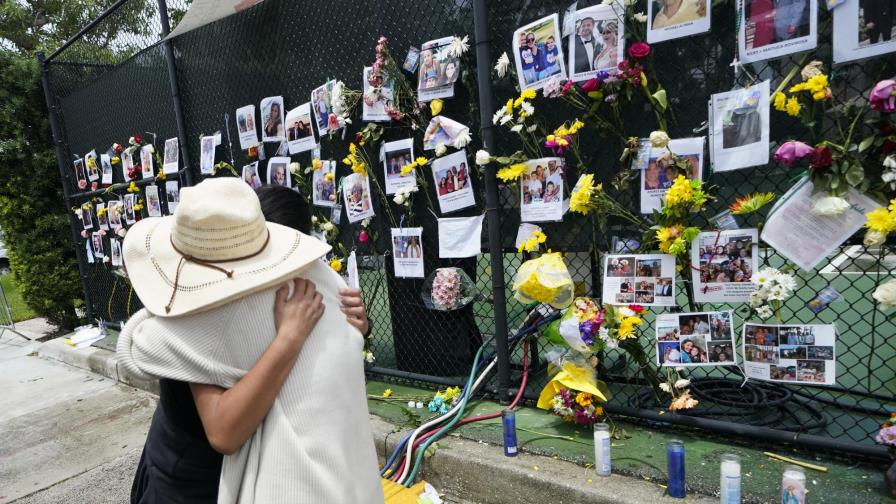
{"x":574,"y":394}
{"x":771,"y":287}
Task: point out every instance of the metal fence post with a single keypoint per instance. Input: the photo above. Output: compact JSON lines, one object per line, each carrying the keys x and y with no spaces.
{"x":484,"y":77}
{"x":175,"y":92}
{"x":61,"y":156}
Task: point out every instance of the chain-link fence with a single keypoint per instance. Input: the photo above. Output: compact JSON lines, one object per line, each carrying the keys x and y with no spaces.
{"x":115,"y":81}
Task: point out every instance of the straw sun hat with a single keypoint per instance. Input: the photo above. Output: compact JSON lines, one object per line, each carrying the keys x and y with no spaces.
{"x":216,"y":248}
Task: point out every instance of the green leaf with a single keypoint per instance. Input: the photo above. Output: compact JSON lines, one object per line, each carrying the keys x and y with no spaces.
{"x":660,"y":98}
{"x":855,"y":175}
{"x":835,"y":182}
{"x":866,"y":143}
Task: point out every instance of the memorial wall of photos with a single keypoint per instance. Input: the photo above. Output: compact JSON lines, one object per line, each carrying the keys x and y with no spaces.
{"x":591,"y":62}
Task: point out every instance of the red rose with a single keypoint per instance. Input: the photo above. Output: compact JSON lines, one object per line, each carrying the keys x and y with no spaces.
{"x":138,"y":139}
{"x":566,"y":88}
{"x":639,"y":50}
{"x":636,"y":307}
{"x":591,"y":85}
{"x":822,"y":157}
{"x":359,"y":138}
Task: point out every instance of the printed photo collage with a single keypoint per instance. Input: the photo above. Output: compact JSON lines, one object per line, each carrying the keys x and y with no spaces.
{"x":695,"y":339}
{"x":790,"y":353}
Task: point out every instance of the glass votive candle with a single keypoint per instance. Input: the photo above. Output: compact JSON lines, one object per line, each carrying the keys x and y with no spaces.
{"x":675,"y":465}
{"x":602,"y":461}
{"x":730,"y":479}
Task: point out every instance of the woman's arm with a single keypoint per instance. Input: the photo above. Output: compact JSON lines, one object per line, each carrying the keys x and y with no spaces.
{"x":230,"y":416}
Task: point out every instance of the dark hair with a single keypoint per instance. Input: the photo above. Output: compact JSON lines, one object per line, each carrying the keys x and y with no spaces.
{"x":281,"y":205}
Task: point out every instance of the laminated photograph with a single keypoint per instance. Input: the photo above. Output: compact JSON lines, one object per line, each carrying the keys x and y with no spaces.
{"x":321,"y":106}
{"x":790,"y":353}
{"x":407,"y":252}
{"x":444,"y":131}
{"x":438,"y":70}
{"x":863,"y":29}
{"x":771,"y":29}
{"x":272,"y":129}
{"x":130,"y":215}
{"x":93,"y":167}
{"x":695,"y":339}
{"x":86,"y":216}
{"x":356,"y":194}
{"x":102,"y":217}
{"x":88,"y":246}
{"x":740,"y":128}
{"x":376,"y":99}
{"x":805,"y":238}
{"x":726,"y":261}
{"x":80,"y":173}
{"x":171,"y":160}
{"x":671,"y":19}
{"x":538,"y":53}
{"x":116,"y":253}
{"x":659,"y":174}
{"x":114,"y":213}
{"x":245,"y":125}
{"x":96,"y":239}
{"x":206,"y":154}
{"x":278,"y":171}
{"x":541,"y":190}
{"x":396,"y":155}
{"x":451,"y":178}
{"x":299,"y":132}
{"x":172,"y":195}
{"x":153,"y":203}
{"x":146,"y":162}
{"x":250,"y":175}
{"x":597,"y":42}
{"x":644,"y":279}
{"x":127,"y":164}
{"x":324,"y":185}
{"x":106,"y":163}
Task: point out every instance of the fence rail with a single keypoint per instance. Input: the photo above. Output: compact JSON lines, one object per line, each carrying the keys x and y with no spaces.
{"x":116,"y":79}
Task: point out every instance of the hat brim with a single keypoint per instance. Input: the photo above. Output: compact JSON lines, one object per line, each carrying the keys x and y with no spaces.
{"x":152,"y":264}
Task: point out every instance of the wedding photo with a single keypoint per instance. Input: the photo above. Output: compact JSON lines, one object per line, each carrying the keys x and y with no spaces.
{"x":598,"y":43}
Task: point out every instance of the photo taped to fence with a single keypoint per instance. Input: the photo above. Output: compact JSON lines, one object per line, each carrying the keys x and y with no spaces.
{"x":541,"y":190}
{"x":171,"y":162}
{"x":93,"y":169}
{"x":272,"y":111}
{"x":356,"y":194}
{"x":792,"y":353}
{"x":660,"y":172}
{"x":245,"y":125}
{"x":438,"y":70}
{"x":172,"y":195}
{"x":772,"y":29}
{"x":695,"y":339}
{"x":598,"y":41}
{"x":863,"y":29}
{"x":726,"y":262}
{"x":278,"y":171}
{"x":250,"y":175}
{"x":397,"y":155}
{"x":299,"y":131}
{"x":538,"y":53}
{"x":672,"y":19}
{"x":644,"y":279}
{"x":321,"y":107}
{"x":454,"y":187}
{"x":324,"y":187}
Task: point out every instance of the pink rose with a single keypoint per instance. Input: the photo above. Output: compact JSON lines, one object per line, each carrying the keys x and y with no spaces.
{"x":791,"y":152}
{"x":566,"y":88}
{"x":882,"y":96}
{"x":363,"y":237}
{"x":82,"y":184}
{"x":639,"y":50}
{"x":591,"y":85}
{"x":83,"y":233}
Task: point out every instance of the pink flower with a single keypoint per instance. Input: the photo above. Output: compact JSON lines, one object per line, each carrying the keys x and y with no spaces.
{"x":591,"y":85}
{"x":93,"y":186}
{"x":566,"y":88}
{"x":82,"y":184}
{"x":83,"y":233}
{"x":333,"y":122}
{"x":639,"y":50}
{"x":790,"y":152}
{"x":883,"y":96}
{"x":559,"y":144}
{"x":363,"y":237}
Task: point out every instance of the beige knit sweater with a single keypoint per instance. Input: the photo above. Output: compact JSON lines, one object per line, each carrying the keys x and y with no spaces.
{"x":315,"y":445}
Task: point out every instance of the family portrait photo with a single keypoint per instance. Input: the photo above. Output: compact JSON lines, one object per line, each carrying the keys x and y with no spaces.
{"x":171,"y":159}
{"x":407,"y":252}
{"x":771,"y":29}
{"x":299,"y":132}
{"x":272,"y":119}
{"x":454,"y":187}
{"x":324,"y":183}
{"x":250,"y":175}
{"x":740,"y":122}
{"x":670,"y":19}
{"x":245,"y":125}
{"x":598,"y":42}
{"x":660,"y":171}
{"x":541,"y":190}
{"x":863,"y":29}
{"x":538,"y":53}
{"x":206,"y":154}
{"x":726,"y":262}
{"x":696,"y":341}
{"x":790,"y":353}
{"x":438,"y":71}
{"x":356,"y":194}
{"x":278,"y":171}
{"x":397,"y":155}
{"x":321,"y":107}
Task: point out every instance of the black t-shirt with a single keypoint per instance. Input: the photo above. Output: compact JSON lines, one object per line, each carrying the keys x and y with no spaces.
{"x":177,"y":401}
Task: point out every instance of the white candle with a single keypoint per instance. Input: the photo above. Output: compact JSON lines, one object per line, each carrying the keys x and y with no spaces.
{"x":602,"y":461}
{"x":730,"y":479}
{"x":793,"y":485}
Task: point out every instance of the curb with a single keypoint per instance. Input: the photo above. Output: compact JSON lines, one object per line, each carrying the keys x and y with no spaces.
{"x":460,"y":467}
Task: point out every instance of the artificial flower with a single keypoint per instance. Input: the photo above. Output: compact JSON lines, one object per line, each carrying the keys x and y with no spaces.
{"x":790,"y":152}
{"x":483,"y":157}
{"x":435,"y":106}
{"x":751,"y":203}
{"x":502,"y":65}
{"x":336,"y":264}
{"x":883,"y":96}
{"x":639,"y":50}
{"x":511,"y":173}
{"x":829,"y":206}
{"x":659,"y":139}
{"x":458,"y":46}
{"x":885,"y":294}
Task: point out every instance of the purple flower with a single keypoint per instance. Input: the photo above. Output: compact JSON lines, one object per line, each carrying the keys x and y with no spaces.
{"x":586,"y":329}
{"x":791,"y":152}
{"x":603,"y":75}
{"x":883,"y":96}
